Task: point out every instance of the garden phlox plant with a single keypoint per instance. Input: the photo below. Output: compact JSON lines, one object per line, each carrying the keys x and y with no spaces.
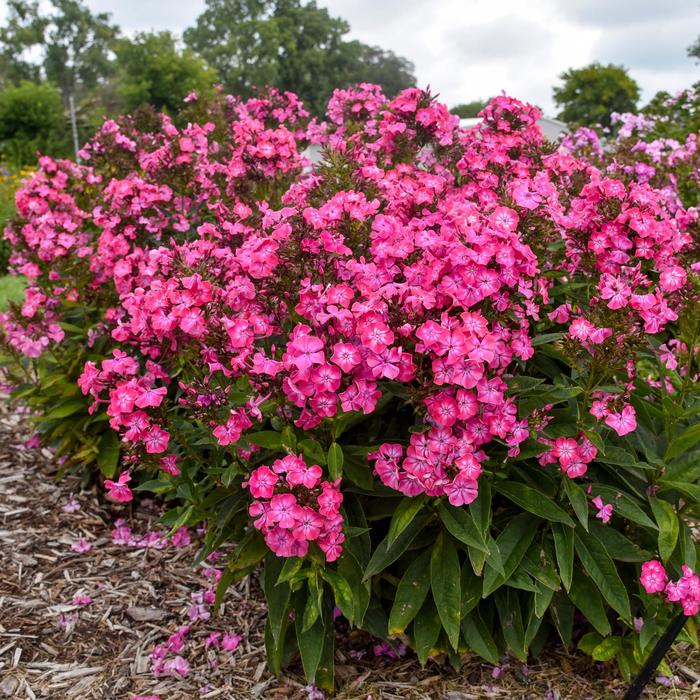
{"x":402,"y":376}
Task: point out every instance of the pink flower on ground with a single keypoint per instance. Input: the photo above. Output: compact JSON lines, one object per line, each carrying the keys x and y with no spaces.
{"x":181,"y":538}
{"x":71,"y":506}
{"x":119,"y":490}
{"x":230,"y":642}
{"x":176,"y":667}
{"x":82,"y":600}
{"x":82,"y":546}
{"x":604,"y":509}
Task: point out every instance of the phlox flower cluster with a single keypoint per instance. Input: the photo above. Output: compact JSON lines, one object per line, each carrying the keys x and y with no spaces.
{"x":572,"y":455}
{"x":232,"y":283}
{"x":686,"y":590}
{"x":293,"y":506}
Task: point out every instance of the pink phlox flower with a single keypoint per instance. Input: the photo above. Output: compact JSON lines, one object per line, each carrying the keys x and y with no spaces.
{"x":119,"y":490}
{"x":623,"y":422}
{"x":604,"y":509}
{"x":82,"y":546}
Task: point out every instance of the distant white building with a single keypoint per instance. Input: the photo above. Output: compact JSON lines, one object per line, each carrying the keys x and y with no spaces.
{"x":552,"y":129}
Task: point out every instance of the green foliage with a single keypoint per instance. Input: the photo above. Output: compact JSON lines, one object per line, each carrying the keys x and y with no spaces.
{"x":11,"y":290}
{"x":31,"y":120}
{"x":9,"y":183}
{"x":506,"y":572}
{"x":290,"y":45}
{"x":589,"y":95}
{"x":74,"y":45}
{"x":694,"y":49}
{"x":468,"y":110}
{"x":675,"y":117}
{"x":151,"y":69}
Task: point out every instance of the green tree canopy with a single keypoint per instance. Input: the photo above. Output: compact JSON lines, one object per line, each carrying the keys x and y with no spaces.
{"x":31,"y":119}
{"x":694,"y":49}
{"x":292,"y":45}
{"x":471,"y":109}
{"x":74,"y":45}
{"x":152,"y":69}
{"x":589,"y":95}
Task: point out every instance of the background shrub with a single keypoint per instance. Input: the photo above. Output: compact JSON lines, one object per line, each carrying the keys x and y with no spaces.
{"x":31,"y":120}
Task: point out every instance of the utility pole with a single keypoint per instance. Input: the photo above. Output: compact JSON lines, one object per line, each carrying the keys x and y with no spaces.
{"x":74,"y":128}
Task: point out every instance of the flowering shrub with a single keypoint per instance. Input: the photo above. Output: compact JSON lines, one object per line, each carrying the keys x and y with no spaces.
{"x":443,"y":381}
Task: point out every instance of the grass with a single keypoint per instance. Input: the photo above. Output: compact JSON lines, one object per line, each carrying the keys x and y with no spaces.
{"x":11,"y":289}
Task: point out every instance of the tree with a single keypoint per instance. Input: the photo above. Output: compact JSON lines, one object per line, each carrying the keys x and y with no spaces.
{"x":694,"y":49}
{"x":32,"y":119}
{"x":591,"y":94}
{"x":382,"y":67}
{"x":291,"y":45}
{"x":152,"y":69}
{"x":469,"y":110}
{"x":74,"y":46}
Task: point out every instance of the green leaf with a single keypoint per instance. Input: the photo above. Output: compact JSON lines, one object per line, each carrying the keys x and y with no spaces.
{"x":290,"y":569}
{"x":461,"y":526}
{"x":386,"y":554}
{"x":277,"y":598}
{"x":108,"y":454}
{"x":478,"y":637}
{"x":617,"y":457}
{"x":445,"y":584}
{"x":667,"y":520}
{"x":648,"y":633}
{"x":601,"y":569}
{"x":534,"y":501}
{"x":543,"y":598}
{"x":313,"y":450}
{"x":410,"y":594}
{"x":509,"y":611}
{"x":578,"y":500}
{"x":564,"y":548}
{"x":426,"y":629}
{"x":589,"y":642}
{"x":607,"y":649}
{"x":691,"y":491}
{"x":351,"y":571}
{"x":617,"y":545}
{"x":270,"y":439}
{"x":407,"y":509}
{"x":562,"y":612}
{"x":342,"y":593}
{"x":585,"y":596}
{"x":684,"y":442}
{"x":623,"y":505}
{"x":67,"y":408}
{"x":335,"y":461}
{"x":545,"y":338}
{"x":480,"y":509}
{"x":537,"y":564}
{"x":470,"y":587}
{"x":311,"y":643}
{"x":512,"y":543}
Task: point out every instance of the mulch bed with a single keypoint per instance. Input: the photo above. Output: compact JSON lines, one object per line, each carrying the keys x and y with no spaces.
{"x":53,"y":647}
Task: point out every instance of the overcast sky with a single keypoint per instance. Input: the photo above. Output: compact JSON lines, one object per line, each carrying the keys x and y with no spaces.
{"x":468,"y":49}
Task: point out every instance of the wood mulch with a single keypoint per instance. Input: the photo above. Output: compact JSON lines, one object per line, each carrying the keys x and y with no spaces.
{"x":53,"y":645}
